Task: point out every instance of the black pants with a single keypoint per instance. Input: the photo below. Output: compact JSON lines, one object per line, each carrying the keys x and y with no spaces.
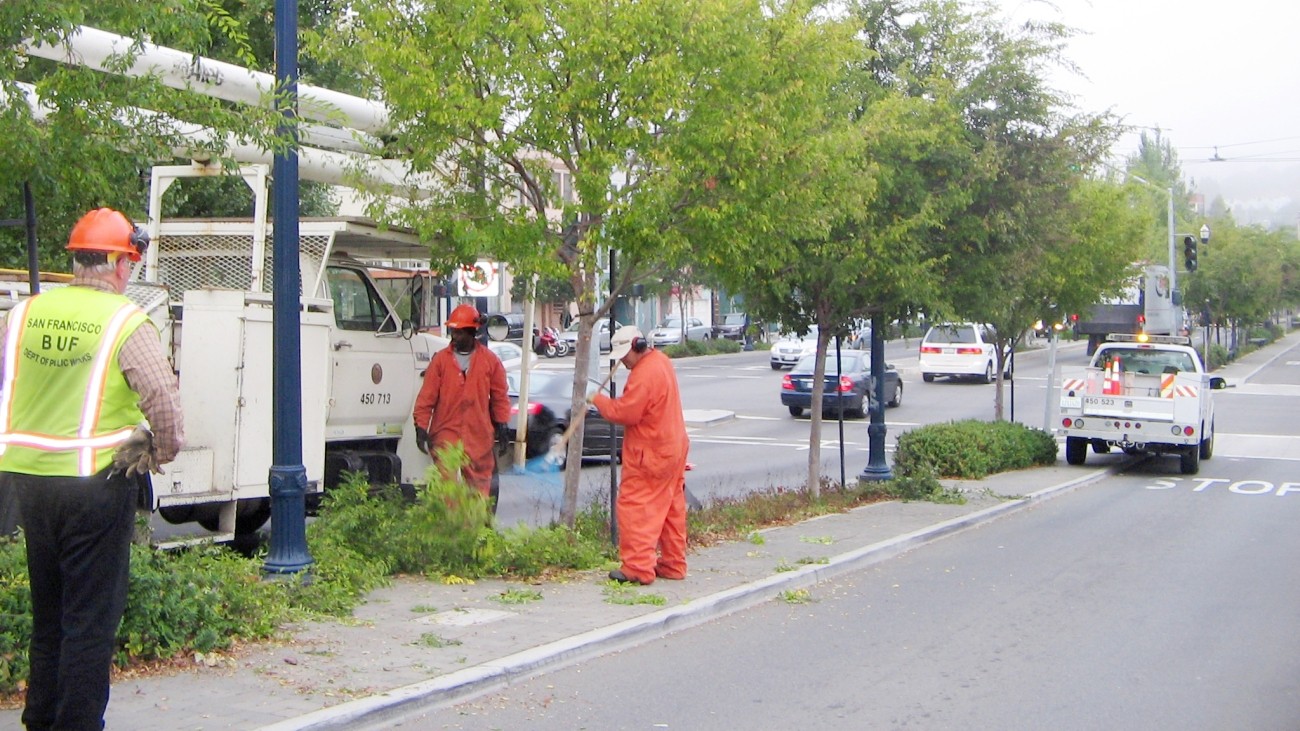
{"x":78,"y":533}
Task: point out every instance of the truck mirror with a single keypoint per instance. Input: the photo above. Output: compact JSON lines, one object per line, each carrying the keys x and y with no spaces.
{"x":408,"y":329}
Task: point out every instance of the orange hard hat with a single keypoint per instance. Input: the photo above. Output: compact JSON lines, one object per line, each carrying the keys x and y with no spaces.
{"x":107,"y":231}
{"x":463,"y":317}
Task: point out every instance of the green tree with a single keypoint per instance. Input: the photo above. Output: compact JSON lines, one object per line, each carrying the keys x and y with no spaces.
{"x":556,"y":131}
{"x":1003,"y":257}
{"x":96,"y":135}
{"x":1243,"y":281}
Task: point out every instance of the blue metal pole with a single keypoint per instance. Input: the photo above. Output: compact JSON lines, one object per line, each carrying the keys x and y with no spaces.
{"x":288,"y":553}
{"x":877,"y":469}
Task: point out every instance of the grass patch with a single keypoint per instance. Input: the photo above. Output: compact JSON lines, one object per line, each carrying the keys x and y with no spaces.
{"x":618,"y":593}
{"x":734,"y":519}
{"x":430,"y":639}
{"x":796,"y":596}
{"x":518,"y":596}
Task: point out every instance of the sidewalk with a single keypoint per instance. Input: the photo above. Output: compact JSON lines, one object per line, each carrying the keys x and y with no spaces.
{"x":418,"y":644}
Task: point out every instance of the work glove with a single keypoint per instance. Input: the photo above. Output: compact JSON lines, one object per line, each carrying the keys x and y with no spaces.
{"x":503,"y":439}
{"x":136,"y":455}
{"x":422,"y":439}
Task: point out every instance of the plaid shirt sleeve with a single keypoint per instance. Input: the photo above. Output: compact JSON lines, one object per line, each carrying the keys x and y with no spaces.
{"x":149,"y":374}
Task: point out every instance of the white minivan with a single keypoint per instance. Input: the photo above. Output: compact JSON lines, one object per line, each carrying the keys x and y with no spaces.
{"x":959,"y":349}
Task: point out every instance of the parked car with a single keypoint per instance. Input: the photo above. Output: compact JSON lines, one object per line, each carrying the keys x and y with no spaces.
{"x":959,"y":350}
{"x":599,"y":331}
{"x":859,"y":338}
{"x":550,"y":396}
{"x":732,"y":326}
{"x":511,"y":355}
{"x":847,"y":388}
{"x":669,"y":331}
{"x":790,"y":349}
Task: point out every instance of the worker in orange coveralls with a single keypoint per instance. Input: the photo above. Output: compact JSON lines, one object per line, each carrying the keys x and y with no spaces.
{"x":463,"y":399}
{"x":651,"y":505}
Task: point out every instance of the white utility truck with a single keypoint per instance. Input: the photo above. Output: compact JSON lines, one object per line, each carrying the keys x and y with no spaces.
{"x":362,"y":359}
{"x":1146,"y":305}
{"x":1141,"y":394}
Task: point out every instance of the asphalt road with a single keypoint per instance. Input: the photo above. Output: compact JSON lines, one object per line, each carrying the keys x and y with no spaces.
{"x":762,"y":447}
{"x":1149,"y":600}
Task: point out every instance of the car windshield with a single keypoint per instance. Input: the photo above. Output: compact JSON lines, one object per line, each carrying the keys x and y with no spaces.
{"x":671,"y":322}
{"x":850,"y":363}
{"x":735,"y":318}
{"x":951,"y":334}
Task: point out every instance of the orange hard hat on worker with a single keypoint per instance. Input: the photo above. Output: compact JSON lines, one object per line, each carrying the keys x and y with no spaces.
{"x":108,"y":231}
{"x":464,"y":317}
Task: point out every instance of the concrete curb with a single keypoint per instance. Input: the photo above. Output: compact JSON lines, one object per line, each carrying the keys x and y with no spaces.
{"x":381,"y":711}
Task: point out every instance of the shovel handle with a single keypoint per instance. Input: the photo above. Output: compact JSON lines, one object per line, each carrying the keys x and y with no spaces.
{"x":577,"y":420}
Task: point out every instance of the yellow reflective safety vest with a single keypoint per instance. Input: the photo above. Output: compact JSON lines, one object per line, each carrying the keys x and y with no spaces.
{"x":65,"y":404}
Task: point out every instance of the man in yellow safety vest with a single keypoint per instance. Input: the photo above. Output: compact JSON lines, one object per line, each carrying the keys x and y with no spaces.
{"x":82,"y":370}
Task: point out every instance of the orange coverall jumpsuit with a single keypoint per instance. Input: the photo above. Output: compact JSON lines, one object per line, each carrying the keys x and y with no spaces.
{"x":455,"y":406}
{"x":651,"y":505}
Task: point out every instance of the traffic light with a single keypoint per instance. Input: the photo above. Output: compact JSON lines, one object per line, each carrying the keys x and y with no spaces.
{"x":1189,"y":253}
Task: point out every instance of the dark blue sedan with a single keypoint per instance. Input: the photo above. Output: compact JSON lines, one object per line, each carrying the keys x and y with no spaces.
{"x":846,"y":389}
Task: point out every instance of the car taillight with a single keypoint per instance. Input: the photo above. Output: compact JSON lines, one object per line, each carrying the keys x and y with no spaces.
{"x":969,"y":351}
{"x":930,"y":349}
{"x":846,"y":384}
{"x":786,"y":383}
{"x":533,"y":409}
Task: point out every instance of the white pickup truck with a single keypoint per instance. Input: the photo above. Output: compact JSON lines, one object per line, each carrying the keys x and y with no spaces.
{"x":1141,"y":393}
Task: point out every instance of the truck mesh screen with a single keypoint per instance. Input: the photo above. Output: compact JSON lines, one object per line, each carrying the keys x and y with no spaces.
{"x":223,"y":261}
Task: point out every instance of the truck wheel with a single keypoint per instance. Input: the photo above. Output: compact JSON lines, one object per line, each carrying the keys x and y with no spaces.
{"x":927,"y":377}
{"x":1076,"y":450}
{"x":1207,"y":445}
{"x":1190,"y":461}
{"x":795,"y":411}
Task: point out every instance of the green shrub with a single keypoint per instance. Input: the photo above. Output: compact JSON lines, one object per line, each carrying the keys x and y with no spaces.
{"x":446,"y":530}
{"x":528,"y":552}
{"x":195,"y":599}
{"x":15,"y":614}
{"x":702,"y":347}
{"x":971,"y":449}
{"x":1217,"y":357}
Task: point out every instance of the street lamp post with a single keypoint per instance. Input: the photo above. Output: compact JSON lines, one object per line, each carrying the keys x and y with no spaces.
{"x":877,"y":470}
{"x":1173,"y":263}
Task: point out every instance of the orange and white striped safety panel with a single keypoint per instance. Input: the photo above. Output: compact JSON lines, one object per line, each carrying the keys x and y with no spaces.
{"x":1185,"y":391}
{"x":1167,"y":385}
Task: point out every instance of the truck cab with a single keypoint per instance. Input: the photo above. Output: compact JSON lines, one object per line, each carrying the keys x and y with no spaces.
{"x":362,"y":363}
{"x":1144,"y":394}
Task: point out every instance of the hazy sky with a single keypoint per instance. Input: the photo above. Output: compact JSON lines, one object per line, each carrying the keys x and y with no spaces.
{"x":1210,"y":74}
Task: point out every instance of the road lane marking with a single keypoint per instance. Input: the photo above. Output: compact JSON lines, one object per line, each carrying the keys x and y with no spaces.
{"x":1257,"y":446}
{"x":1261,"y":389}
